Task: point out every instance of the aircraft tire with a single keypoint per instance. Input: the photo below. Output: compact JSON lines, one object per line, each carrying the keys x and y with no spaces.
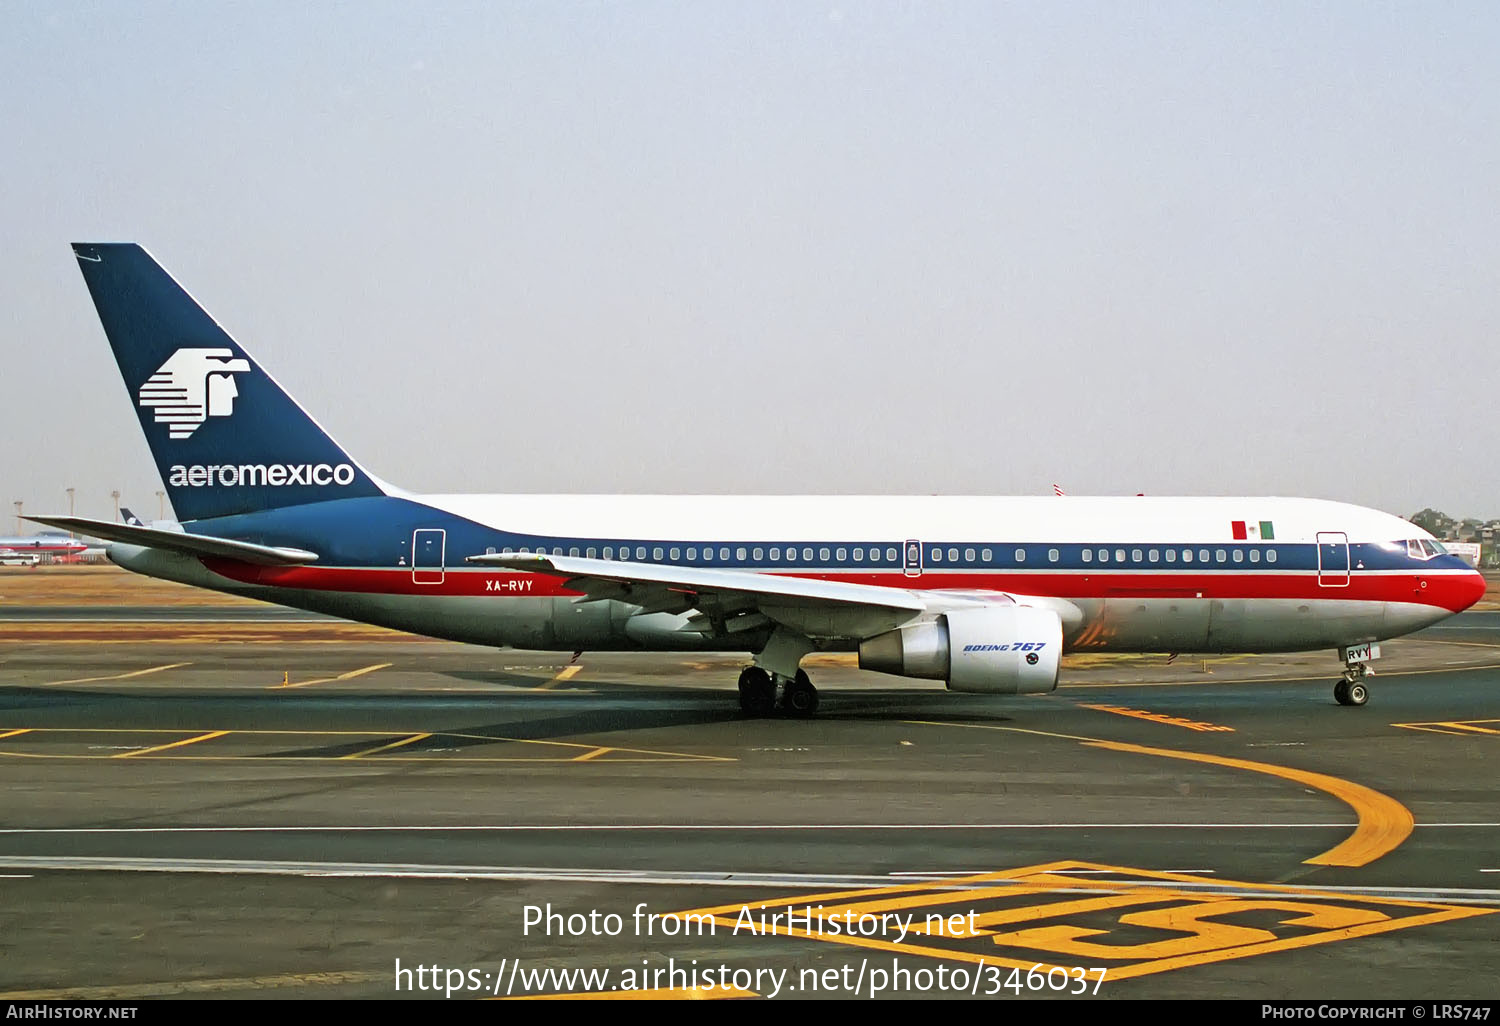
{"x":757,"y":692}
{"x":801,"y":698}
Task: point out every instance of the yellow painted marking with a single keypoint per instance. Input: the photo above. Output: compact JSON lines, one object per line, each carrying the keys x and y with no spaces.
{"x":1384,"y":823}
{"x":14,"y":733}
{"x":1173,"y":721}
{"x":174,"y":744}
{"x":566,"y":673}
{"x":166,"y":988}
{"x":329,"y":680}
{"x":385,"y":748}
{"x":1452,"y":727}
{"x":1180,"y":928}
{"x":114,"y":676}
{"x":577,"y":749}
{"x":1287,"y":680}
{"x":669,"y":994}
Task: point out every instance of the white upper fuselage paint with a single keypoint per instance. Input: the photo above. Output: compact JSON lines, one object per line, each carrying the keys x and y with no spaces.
{"x":978,"y":519}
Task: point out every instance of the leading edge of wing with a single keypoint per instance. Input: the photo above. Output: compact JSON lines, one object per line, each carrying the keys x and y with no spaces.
{"x":797,"y":589}
{"x":178,"y":541}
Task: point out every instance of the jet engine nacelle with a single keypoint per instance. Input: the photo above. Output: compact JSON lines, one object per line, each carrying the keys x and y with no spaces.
{"x":989,"y":650}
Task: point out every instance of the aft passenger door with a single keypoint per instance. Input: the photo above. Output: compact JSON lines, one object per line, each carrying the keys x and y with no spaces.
{"x":427,"y":546}
{"x":1333,"y":559}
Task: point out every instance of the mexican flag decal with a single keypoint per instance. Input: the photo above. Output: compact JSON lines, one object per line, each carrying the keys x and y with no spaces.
{"x":1243,"y":531}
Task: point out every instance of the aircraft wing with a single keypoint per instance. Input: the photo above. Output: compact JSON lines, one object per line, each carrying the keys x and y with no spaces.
{"x":178,"y":541}
{"x":728,"y":600}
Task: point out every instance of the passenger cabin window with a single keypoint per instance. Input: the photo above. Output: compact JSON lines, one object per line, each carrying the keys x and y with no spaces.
{"x":968,"y":555}
{"x":1135,"y":555}
{"x":953,"y":555}
{"x":1088,"y":555}
{"x":841,"y":555}
{"x":986,"y":555}
{"x":675,"y":553}
{"x":1153,"y":555}
{"x":591,"y":551}
{"x":640,"y":552}
{"x":1052,"y":555}
{"x":807,"y":555}
{"x":1239,"y":556}
{"x":724,"y":555}
{"x":1219,"y":555}
{"x":1119,"y":555}
{"x":739,"y":553}
{"x":656,"y":553}
{"x":823,"y":555}
{"x":1104,"y":555}
{"x":1020,"y":555}
{"x":937,"y":555}
{"x":775,"y":554}
{"x":573,"y":551}
{"x":1255,"y":555}
{"x":859,"y":555}
{"x":1270,"y":555}
{"x":756,"y":555}
{"x":1171,"y":555}
{"x":890,"y":555}
{"x":1203,"y":555}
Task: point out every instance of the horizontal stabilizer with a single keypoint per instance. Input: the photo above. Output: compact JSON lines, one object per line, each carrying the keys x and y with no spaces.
{"x":177,"y":541}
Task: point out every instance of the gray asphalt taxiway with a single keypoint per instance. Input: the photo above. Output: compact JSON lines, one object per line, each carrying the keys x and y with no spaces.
{"x":285,"y":819}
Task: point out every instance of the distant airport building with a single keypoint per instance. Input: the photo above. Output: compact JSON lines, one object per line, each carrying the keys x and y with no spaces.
{"x":1467,"y":551}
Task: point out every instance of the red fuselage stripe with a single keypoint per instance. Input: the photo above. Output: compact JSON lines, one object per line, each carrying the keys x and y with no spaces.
{"x":1454,"y":591}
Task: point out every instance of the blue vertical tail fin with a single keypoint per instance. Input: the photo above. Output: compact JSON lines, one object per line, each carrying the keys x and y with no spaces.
{"x":226,"y":438}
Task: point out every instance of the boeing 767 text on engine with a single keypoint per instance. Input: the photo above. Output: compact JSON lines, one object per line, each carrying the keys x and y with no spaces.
{"x":983,"y":593}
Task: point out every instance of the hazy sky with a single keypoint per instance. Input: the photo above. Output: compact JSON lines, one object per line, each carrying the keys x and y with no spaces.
{"x":1228,"y":248}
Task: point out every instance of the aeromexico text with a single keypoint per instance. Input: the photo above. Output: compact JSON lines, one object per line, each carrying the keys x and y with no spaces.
{"x":246,"y":475}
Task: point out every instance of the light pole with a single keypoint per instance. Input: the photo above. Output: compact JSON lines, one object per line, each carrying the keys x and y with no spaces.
{"x":70,"y":507}
{"x":116,"y":496}
{"x":161,"y":505}
{"x":18,"y":516}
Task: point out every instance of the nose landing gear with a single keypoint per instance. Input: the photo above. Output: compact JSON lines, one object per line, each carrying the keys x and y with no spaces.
{"x":1351,"y":689}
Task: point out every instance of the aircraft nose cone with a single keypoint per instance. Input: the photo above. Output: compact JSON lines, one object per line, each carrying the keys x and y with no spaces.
{"x":1472,"y":589}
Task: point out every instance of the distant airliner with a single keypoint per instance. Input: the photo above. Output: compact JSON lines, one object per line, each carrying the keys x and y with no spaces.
{"x":30,"y":550}
{"x":982,"y":593}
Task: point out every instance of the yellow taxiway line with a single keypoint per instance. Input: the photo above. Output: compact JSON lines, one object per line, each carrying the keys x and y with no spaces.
{"x":113,"y":676}
{"x":1384,"y":823}
{"x":330,"y":680}
{"x":566,"y":673}
{"x":667,"y":994}
{"x":174,"y":744}
{"x":385,"y":748}
{"x":1171,"y":721}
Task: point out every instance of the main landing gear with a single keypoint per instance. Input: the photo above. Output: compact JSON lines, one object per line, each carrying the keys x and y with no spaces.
{"x":758,"y":693}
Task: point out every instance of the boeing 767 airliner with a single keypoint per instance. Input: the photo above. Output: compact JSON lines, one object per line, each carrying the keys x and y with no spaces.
{"x":985,"y":594}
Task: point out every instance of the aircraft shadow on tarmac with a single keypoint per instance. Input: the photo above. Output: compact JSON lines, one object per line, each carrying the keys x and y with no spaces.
{"x":463,"y":721}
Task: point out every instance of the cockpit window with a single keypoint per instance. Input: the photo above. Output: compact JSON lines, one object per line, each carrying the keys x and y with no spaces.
{"x":1424,"y":548}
